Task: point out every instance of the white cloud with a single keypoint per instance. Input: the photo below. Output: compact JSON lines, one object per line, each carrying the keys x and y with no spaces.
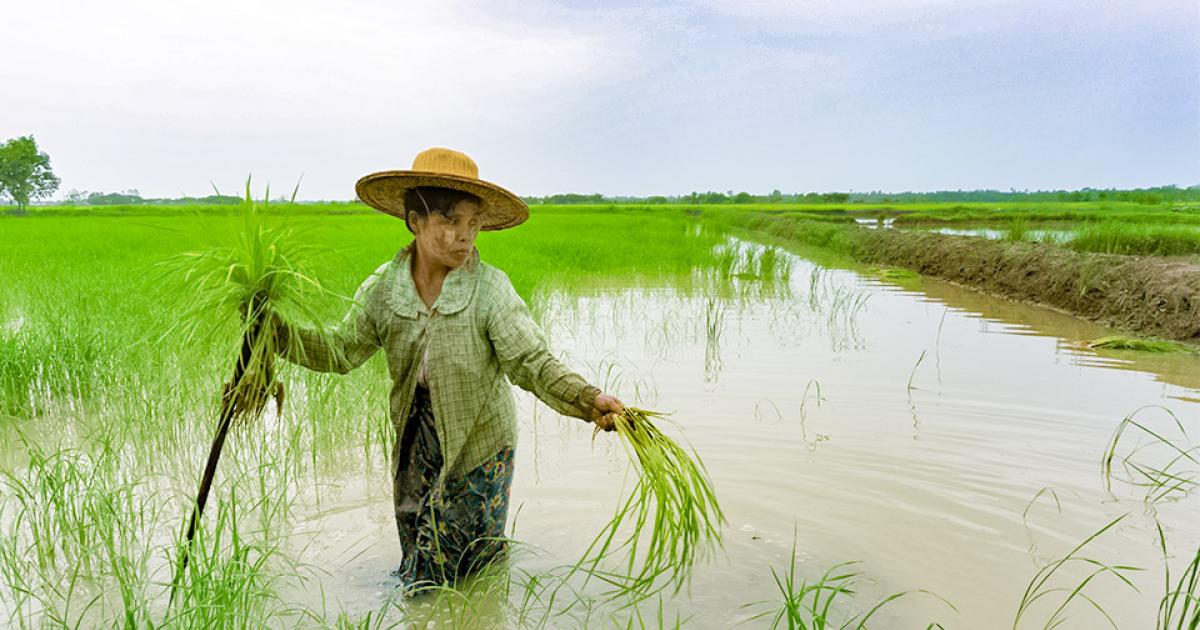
{"x":947,"y":18}
{"x":690,"y":94}
{"x":178,"y":83}
{"x":424,"y":59}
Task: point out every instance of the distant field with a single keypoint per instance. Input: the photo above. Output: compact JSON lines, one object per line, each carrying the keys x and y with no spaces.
{"x":903,"y":213}
{"x":1095,"y":226}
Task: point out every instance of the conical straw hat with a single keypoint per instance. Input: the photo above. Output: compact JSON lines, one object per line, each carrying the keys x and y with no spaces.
{"x":385,"y":190}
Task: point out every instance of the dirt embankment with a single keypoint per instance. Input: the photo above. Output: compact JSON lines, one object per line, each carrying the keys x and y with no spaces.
{"x":1147,"y":295}
{"x":1143,"y":294}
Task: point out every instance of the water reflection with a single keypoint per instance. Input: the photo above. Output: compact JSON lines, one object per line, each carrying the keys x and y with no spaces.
{"x":1071,"y":334}
{"x":864,"y":411}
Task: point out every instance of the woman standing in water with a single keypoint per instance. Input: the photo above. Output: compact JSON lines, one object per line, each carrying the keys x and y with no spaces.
{"x":453,"y":328}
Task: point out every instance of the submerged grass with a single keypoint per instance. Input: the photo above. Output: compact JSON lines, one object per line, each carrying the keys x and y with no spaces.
{"x":673,"y":500}
{"x":1042,"y":588}
{"x":1179,"y":608}
{"x":818,"y":604}
{"x":1165,"y":467}
{"x":75,"y":546}
{"x":895,"y":274}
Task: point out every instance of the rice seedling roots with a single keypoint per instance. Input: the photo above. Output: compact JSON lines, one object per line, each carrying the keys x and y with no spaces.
{"x":245,"y":395}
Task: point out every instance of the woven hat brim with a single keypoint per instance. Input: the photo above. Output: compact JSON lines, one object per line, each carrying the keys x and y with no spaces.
{"x":385,"y":190}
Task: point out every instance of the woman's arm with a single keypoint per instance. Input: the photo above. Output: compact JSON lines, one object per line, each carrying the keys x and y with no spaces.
{"x":340,"y":348}
{"x":525,"y":357}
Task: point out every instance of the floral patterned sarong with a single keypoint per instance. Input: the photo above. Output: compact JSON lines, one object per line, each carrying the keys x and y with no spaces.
{"x":449,"y":534}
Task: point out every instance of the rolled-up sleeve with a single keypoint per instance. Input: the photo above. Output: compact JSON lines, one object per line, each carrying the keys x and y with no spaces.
{"x":525,"y":357}
{"x":340,"y":348}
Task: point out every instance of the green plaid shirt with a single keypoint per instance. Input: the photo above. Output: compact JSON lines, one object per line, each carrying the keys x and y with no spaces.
{"x":478,"y":332}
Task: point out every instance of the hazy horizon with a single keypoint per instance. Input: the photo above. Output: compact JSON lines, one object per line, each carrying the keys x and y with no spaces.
{"x":620,"y":98}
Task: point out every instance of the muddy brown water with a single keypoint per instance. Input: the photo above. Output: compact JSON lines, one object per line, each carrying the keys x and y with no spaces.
{"x":928,"y":487}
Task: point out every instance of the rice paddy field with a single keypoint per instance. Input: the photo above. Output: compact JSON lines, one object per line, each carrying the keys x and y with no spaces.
{"x":1111,"y":237}
{"x":889,"y":451}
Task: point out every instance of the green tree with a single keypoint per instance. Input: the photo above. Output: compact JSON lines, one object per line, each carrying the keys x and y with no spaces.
{"x":25,"y":172}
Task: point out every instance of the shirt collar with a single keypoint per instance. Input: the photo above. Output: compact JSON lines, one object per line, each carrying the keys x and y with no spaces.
{"x":457,"y":288}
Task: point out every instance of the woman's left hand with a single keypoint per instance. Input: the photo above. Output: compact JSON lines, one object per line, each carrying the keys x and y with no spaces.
{"x":605,"y":410}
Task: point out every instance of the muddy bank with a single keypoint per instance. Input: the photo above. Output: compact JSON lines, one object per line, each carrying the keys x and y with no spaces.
{"x":1146,"y":295}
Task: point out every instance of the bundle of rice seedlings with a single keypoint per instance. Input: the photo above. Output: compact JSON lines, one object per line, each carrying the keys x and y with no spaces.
{"x":1120,"y":342}
{"x":673,"y":499}
{"x":263,"y":270}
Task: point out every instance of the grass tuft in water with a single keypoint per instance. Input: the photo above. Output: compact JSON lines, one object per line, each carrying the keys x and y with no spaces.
{"x":1119,"y":342}
{"x":1163,"y":466}
{"x":895,"y":274}
{"x":1041,"y":588}
{"x":1179,"y":608}
{"x":1017,"y":230}
{"x":815,"y":605}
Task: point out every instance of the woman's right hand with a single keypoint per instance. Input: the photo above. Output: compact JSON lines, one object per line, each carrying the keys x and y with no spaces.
{"x":605,"y":410}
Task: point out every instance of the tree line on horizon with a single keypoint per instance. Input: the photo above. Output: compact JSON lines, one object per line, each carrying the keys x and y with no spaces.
{"x":1149,"y":196}
{"x":25,"y":175}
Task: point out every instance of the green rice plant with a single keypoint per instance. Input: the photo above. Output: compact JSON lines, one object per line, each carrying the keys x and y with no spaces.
{"x":835,"y":237}
{"x":725,"y":258}
{"x":229,"y":583}
{"x":497,"y":595}
{"x":818,"y":437}
{"x":817,"y":279}
{"x":768,"y":262}
{"x":1121,"y":342}
{"x":1179,"y":608}
{"x":1017,"y":230}
{"x":673,"y":502}
{"x":1044,"y":491}
{"x":263,"y":271}
{"x":811,"y":605}
{"x":55,"y":356}
{"x":74,"y":539}
{"x":1040,"y":587}
{"x":752,"y":263}
{"x":714,"y":327}
{"x":895,"y":274}
{"x":658,"y":622}
{"x":1165,"y":467}
{"x":913,"y":373}
{"x":1117,"y":237}
{"x":845,"y":304}
{"x":1053,"y":238}
{"x":480,"y":601}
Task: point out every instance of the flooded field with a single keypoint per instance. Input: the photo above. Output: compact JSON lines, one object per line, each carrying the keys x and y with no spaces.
{"x":1058,"y":236}
{"x":947,"y":443}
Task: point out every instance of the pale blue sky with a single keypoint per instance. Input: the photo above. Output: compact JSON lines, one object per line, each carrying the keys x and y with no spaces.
{"x":619,"y":98}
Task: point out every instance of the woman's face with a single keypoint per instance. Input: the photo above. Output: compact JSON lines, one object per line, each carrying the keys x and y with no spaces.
{"x":447,"y":241}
